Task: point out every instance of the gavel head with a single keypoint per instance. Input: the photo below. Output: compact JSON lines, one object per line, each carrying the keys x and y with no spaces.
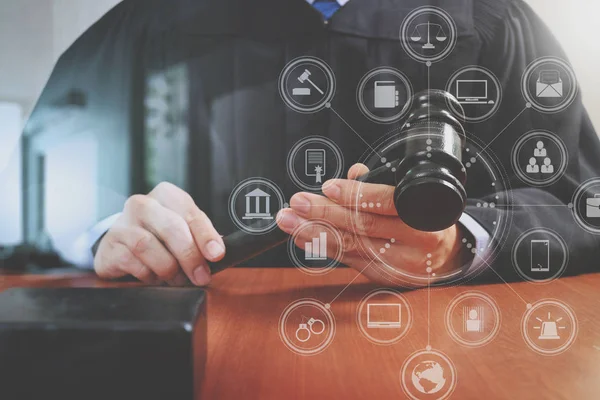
{"x":430,"y":178}
{"x":304,"y":76}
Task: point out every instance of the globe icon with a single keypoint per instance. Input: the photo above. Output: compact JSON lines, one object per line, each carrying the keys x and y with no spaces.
{"x":428,"y":377}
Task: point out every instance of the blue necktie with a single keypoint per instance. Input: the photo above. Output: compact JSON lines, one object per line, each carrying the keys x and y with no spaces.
{"x":326,"y":7}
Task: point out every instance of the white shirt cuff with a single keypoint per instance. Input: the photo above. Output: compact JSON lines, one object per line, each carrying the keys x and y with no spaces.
{"x":80,"y":253}
{"x":482,"y":241}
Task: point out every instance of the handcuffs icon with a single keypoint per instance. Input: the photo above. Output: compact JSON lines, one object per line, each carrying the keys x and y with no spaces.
{"x":306,"y":330}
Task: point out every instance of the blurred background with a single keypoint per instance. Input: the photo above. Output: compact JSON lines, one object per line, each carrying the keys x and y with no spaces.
{"x":56,"y":157}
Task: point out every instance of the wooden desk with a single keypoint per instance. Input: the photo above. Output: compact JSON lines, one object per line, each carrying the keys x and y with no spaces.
{"x":246,"y":358}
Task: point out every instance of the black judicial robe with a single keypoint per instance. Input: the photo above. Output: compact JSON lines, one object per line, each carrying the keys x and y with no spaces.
{"x":235,"y":50}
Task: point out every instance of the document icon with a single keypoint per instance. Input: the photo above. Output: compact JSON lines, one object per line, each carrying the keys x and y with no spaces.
{"x":386,"y":95}
{"x":592,"y":207}
{"x":549,"y":84}
{"x":314,"y":164}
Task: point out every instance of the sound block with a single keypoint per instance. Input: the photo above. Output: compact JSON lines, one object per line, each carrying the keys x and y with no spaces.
{"x":80,"y":343}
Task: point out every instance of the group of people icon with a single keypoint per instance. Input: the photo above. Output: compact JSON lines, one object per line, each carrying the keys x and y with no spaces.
{"x":538,"y":153}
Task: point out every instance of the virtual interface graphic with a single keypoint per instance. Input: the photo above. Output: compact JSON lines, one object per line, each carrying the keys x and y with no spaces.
{"x":385,"y":95}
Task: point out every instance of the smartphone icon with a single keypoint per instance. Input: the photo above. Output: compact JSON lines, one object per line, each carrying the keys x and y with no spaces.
{"x":540,"y":255}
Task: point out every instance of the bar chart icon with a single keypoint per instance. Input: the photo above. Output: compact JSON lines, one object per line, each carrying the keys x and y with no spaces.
{"x":317,"y":248}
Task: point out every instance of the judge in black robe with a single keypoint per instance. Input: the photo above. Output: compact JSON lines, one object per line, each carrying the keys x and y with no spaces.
{"x":239,"y":127}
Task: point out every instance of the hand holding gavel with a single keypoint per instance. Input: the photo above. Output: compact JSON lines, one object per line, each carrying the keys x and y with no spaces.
{"x":376,"y":226}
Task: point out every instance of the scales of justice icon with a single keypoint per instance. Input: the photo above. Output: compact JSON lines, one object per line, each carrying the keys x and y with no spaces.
{"x":417,"y":34}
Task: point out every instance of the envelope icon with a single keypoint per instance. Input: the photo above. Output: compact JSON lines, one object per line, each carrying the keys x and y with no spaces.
{"x":592,"y":207}
{"x":549,"y":84}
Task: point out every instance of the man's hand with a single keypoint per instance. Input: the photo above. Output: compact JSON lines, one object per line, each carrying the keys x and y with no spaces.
{"x":376,"y":224}
{"x":160,"y":237}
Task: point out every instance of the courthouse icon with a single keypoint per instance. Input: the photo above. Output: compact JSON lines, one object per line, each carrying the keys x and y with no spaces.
{"x":260,"y":198}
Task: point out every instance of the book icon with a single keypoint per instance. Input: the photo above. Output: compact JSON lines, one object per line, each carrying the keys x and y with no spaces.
{"x":386,"y":95}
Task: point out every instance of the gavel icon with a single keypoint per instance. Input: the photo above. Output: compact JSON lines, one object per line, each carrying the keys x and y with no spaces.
{"x":305,"y":77}
{"x":428,"y":176}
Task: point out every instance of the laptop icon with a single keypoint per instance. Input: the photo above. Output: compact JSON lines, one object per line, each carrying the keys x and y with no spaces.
{"x":473,"y":91}
{"x":384,"y":315}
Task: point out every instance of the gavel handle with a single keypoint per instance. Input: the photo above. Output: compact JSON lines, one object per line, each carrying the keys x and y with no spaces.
{"x":241,"y":246}
{"x":382,"y":175}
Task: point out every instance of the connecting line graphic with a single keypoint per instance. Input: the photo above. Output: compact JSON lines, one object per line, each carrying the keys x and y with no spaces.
{"x":503,"y":130}
{"x":429,"y":310}
{"x":503,"y":280}
{"x":350,"y":283}
{"x":391,"y":131}
{"x":349,"y":206}
{"x":354,"y":130}
{"x":532,"y":205}
{"x":334,"y":205}
{"x":428,"y":89}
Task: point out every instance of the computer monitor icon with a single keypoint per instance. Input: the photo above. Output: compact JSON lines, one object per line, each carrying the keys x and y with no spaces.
{"x":384,"y":315}
{"x":472,"y":92}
